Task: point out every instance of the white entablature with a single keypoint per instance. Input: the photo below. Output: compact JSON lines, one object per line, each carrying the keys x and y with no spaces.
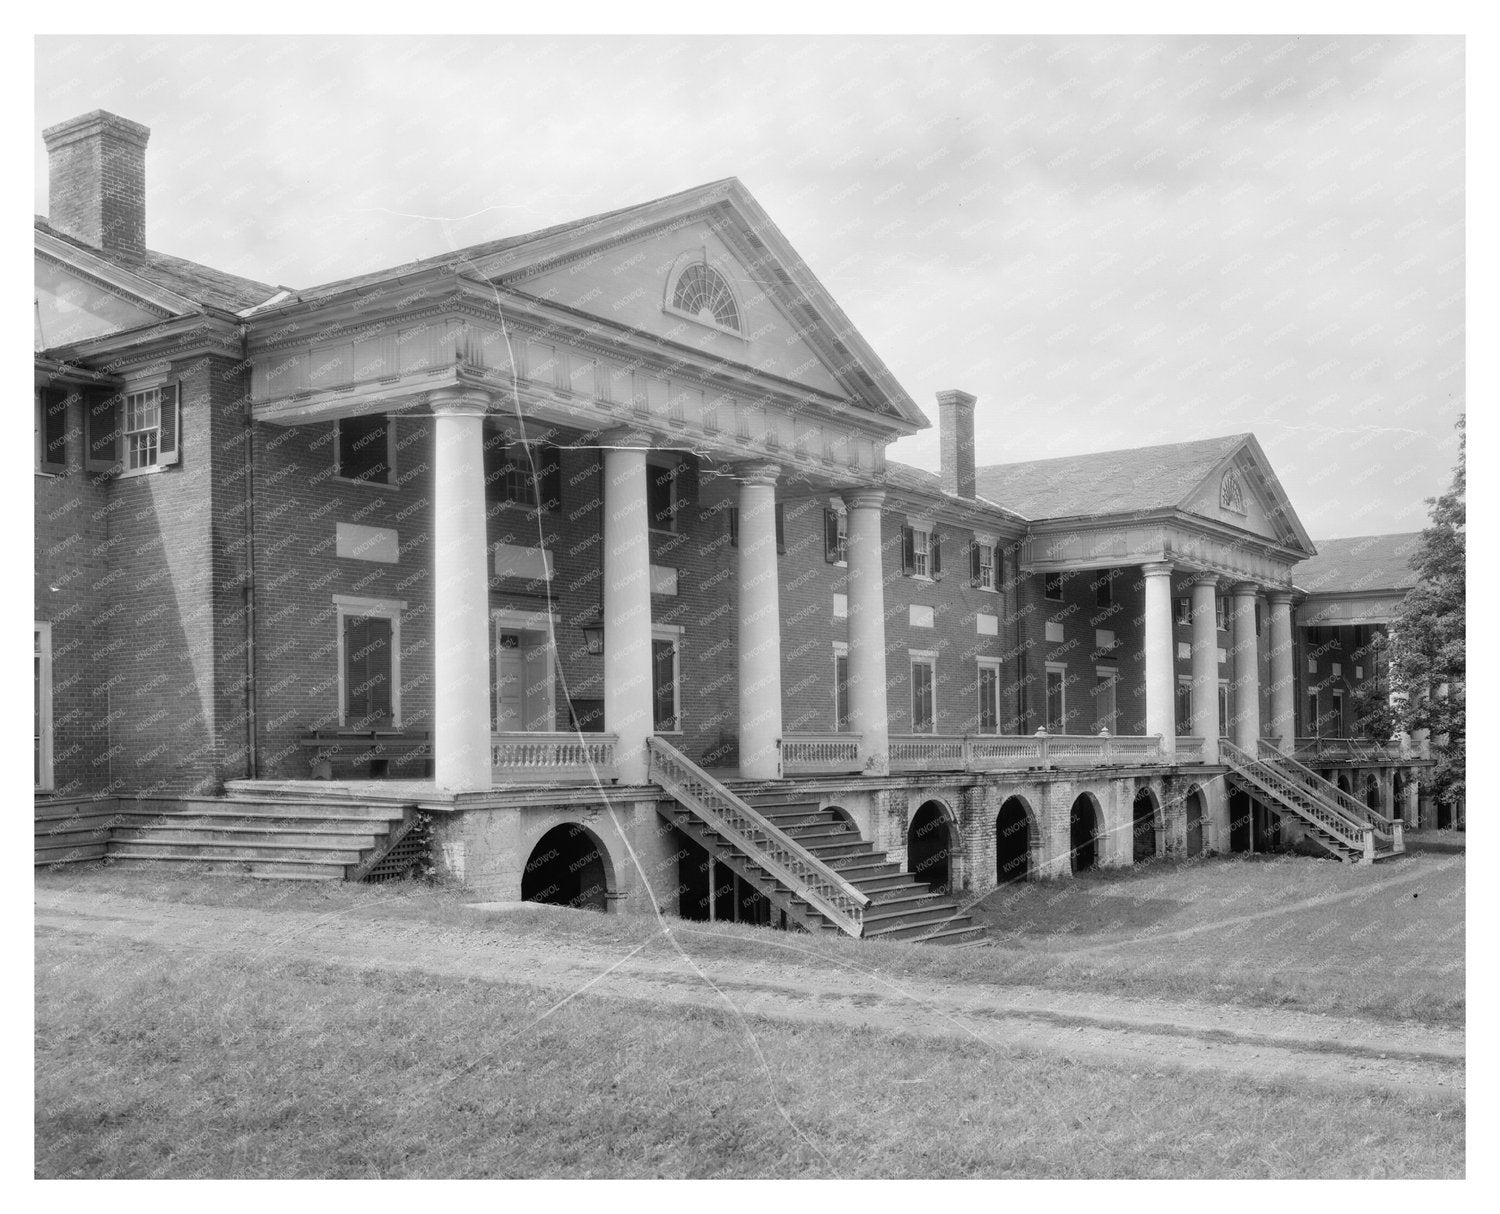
{"x":1116,"y":544}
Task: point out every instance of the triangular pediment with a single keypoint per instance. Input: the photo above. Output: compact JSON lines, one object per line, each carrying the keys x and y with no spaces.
{"x":79,"y":297}
{"x":625,"y":269}
{"x":1242,"y":492}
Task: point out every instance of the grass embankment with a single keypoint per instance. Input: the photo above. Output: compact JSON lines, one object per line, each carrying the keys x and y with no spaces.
{"x":1384,"y":942}
{"x":152,"y":1063}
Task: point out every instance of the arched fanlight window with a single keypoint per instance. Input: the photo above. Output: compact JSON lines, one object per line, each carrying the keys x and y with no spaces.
{"x":703,"y":293}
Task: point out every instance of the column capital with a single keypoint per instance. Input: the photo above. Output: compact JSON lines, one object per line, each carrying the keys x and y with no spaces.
{"x":459,"y":402}
{"x":1204,"y":579}
{"x":865,"y":498}
{"x":757,"y":472}
{"x":626,"y":438}
{"x":1279,"y":597}
{"x":1241,"y":590}
{"x":1157,"y":569}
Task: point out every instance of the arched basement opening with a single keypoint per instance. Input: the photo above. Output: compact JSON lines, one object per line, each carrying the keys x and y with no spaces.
{"x":1372,"y":793}
{"x":567,"y":867}
{"x":1343,"y":782}
{"x":1193,"y":804}
{"x":928,"y":843}
{"x":1241,"y":810}
{"x":1143,"y":830}
{"x":1083,"y":833}
{"x":1012,"y":842}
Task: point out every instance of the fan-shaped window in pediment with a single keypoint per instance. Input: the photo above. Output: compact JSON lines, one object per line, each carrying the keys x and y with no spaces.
{"x":1232,"y":493}
{"x":703,"y":294}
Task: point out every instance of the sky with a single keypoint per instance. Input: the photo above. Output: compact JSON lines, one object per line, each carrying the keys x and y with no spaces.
{"x":1110,"y":241}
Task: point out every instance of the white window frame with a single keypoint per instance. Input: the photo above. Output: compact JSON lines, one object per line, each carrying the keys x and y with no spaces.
{"x":1223,"y":699}
{"x":673,"y":633}
{"x":981,"y":665}
{"x":1185,"y":727}
{"x":841,"y":651}
{"x":144,"y":387}
{"x":921,"y":550}
{"x":389,"y":609}
{"x":1058,"y":668}
{"x":685,"y":262}
{"x":928,"y":658}
{"x":1062,"y":587}
{"x":130,"y":411}
{"x":1110,"y":676}
{"x":842,"y":528}
{"x":391,"y":481}
{"x":41,"y":639}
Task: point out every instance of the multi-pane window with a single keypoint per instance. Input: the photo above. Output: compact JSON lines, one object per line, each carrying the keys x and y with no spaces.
{"x":1052,"y":587}
{"x":923,"y":714}
{"x":518,"y":475}
{"x":1184,"y":707}
{"x":836,"y":537}
{"x":921,"y":552}
{"x":986,"y":576}
{"x":364,"y":449}
{"x":1336,"y":714}
{"x":702,"y":292}
{"x":661,"y":497}
{"x":142,"y":428}
{"x":1313,"y":724}
{"x":1221,"y":613}
{"x":1184,"y":611}
{"x":1224,"y":709}
{"x":1104,"y":589}
{"x":989,"y":697}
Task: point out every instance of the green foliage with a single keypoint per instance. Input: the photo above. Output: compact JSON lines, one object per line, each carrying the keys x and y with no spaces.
{"x":1428,"y":651}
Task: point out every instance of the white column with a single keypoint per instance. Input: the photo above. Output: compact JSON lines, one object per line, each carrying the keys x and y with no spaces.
{"x":759,"y":624}
{"x":627,"y":608}
{"x":1283,"y":672}
{"x":1244,"y":727}
{"x":1206,"y":665}
{"x":1161,"y":685}
{"x":461,"y":664}
{"x":869,"y":713}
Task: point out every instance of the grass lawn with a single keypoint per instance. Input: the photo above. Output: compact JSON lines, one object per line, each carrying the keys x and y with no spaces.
{"x":1391,"y":945}
{"x":154,"y":1063}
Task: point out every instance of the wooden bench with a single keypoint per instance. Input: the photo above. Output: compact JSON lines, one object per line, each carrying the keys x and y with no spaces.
{"x":375,"y":754}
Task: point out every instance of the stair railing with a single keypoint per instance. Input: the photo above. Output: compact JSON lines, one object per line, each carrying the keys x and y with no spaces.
{"x":1350,"y":805}
{"x":1358,"y":836}
{"x":740,"y":824}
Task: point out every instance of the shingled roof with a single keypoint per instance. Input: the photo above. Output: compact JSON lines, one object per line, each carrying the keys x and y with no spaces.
{"x":1105,"y":482}
{"x":905,"y":476}
{"x":1360,"y":563}
{"x":459,"y":259}
{"x":202,"y":284}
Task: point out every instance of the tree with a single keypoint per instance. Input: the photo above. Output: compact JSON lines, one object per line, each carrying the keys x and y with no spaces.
{"x":1427,"y":644}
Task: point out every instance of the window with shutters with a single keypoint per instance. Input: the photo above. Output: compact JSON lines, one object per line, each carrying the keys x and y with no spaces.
{"x":984,"y":572}
{"x":522,"y":476}
{"x":920,"y":555}
{"x":1221,"y":613}
{"x":52,"y":408}
{"x":369,"y":637}
{"x":365,"y":449}
{"x":836,"y":537}
{"x":923,"y":683}
{"x":133,"y":433}
{"x":734,"y":528}
{"x":1183,"y":610}
{"x":1184,"y":706}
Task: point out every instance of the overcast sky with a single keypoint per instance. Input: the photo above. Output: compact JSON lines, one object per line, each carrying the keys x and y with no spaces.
{"x":1110,"y":241}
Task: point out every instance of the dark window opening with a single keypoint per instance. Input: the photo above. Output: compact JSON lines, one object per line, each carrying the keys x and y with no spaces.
{"x":364,"y":449}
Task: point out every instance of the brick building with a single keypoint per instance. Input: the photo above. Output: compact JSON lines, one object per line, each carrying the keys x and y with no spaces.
{"x":583,"y":546}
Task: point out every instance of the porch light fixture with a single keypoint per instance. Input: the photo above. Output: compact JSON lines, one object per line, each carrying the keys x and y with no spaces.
{"x":593,"y":636}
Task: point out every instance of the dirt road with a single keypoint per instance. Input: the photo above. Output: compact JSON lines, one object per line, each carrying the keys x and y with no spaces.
{"x":1265,"y":1045}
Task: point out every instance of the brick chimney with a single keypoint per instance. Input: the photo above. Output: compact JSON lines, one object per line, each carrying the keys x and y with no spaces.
{"x":96,"y":181}
{"x":956,"y":431}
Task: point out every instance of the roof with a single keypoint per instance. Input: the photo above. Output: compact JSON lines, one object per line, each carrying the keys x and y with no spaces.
{"x":1360,"y":564}
{"x":457,"y":259}
{"x":202,"y":284}
{"x":1105,"y":482}
{"x":905,"y":476}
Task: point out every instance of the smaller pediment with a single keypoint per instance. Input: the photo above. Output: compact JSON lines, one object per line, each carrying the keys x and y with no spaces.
{"x":1241,"y":491}
{"x":79,"y":296}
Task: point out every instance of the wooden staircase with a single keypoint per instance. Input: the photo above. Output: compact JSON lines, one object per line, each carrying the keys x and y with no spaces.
{"x":806,"y":861}
{"x":242,"y":835}
{"x":1343,"y":826}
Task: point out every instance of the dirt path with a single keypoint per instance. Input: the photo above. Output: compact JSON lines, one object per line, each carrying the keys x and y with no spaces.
{"x":1145,"y":1035}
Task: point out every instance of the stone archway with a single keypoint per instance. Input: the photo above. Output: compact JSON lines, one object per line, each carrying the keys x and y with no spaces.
{"x":1015,"y":830}
{"x":1196,"y":826}
{"x":569,"y":866}
{"x":1145,"y":816}
{"x":930,"y":845}
{"x":1083,"y":833}
{"x":1372,"y":793}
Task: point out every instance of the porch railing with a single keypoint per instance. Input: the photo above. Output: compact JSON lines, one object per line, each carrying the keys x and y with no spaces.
{"x":1360,"y":750}
{"x":523,"y":758}
{"x":1002,"y":752}
{"x":817,"y":753}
